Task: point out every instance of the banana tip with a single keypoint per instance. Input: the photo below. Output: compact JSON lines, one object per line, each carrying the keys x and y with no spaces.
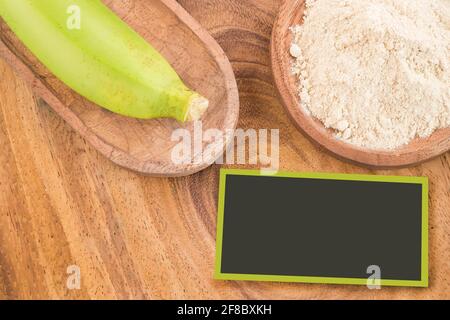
{"x":197,"y":107}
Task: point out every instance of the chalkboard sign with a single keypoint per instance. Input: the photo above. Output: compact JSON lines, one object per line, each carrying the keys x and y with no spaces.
{"x":322,"y":228}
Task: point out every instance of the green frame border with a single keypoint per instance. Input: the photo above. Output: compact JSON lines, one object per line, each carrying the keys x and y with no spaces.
{"x":218,"y":275}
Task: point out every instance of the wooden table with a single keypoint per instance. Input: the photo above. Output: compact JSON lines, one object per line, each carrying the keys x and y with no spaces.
{"x":62,"y":203}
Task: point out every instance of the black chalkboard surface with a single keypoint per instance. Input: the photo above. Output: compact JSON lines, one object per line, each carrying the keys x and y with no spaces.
{"x":322,"y":228}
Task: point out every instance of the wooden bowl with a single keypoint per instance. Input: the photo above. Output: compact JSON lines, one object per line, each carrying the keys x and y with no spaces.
{"x":143,"y":145}
{"x":419,"y":150}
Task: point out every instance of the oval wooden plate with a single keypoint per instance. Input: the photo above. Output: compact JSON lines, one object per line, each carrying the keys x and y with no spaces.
{"x":143,"y":145}
{"x":419,"y":150}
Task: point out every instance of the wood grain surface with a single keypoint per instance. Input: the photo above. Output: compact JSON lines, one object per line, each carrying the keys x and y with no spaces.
{"x":144,"y":146}
{"x":417,"y":151}
{"x":63,"y":203}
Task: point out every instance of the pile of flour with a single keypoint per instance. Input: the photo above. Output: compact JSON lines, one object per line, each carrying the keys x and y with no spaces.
{"x":375,"y":71}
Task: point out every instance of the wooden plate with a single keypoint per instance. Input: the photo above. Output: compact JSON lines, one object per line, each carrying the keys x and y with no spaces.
{"x":143,"y":145}
{"x":419,"y":150}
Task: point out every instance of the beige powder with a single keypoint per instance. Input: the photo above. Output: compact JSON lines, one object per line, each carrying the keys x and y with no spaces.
{"x":375,"y":71}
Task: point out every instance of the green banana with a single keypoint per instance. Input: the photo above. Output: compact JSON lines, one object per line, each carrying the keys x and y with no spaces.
{"x":102,"y":58}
